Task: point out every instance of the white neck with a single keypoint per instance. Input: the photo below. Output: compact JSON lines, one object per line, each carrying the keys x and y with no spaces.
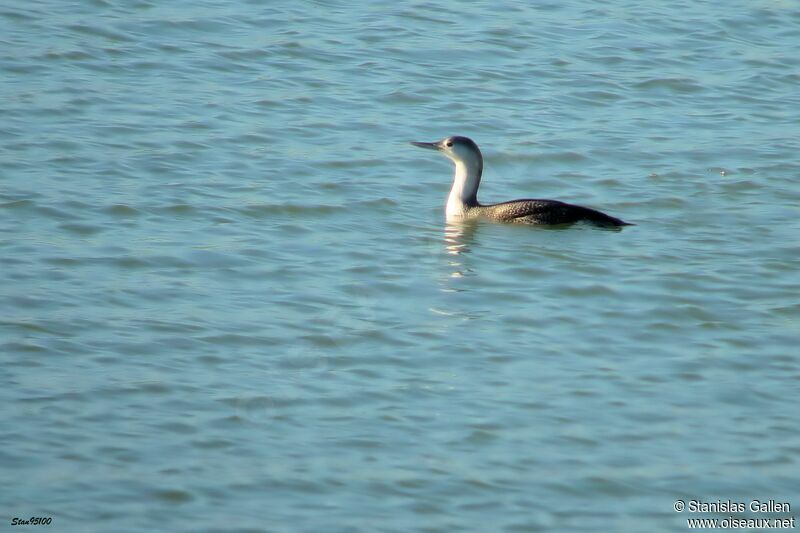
{"x":464,"y":193}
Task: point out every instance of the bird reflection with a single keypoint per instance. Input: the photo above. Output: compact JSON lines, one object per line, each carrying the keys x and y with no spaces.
{"x":458,"y":238}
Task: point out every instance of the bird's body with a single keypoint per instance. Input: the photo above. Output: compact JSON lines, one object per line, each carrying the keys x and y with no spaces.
{"x":463,"y":200}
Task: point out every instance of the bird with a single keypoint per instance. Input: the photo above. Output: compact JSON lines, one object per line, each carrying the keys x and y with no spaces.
{"x":462,"y":204}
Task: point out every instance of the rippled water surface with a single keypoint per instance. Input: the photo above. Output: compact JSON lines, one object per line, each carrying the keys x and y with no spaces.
{"x":230,"y":300}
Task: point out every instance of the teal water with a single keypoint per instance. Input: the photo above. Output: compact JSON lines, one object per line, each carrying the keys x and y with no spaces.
{"x":229,"y":299}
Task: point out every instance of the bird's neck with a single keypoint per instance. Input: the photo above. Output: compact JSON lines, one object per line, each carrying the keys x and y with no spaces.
{"x":464,"y":193}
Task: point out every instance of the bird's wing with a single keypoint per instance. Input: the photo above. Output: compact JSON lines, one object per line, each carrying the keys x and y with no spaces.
{"x":542,"y":211}
{"x":548,"y":212}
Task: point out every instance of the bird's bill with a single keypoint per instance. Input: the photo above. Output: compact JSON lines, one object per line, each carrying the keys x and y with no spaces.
{"x":429,"y":146}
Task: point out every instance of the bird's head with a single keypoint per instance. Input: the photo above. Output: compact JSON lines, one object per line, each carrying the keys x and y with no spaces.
{"x":459,"y":149}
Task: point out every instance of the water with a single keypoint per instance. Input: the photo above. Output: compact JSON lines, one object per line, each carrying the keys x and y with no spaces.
{"x":230,"y":300}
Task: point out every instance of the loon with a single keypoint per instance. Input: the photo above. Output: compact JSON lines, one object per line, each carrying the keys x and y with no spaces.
{"x":463,"y":200}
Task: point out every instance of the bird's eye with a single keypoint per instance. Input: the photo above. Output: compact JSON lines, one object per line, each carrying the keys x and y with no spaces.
{"x":449,"y":144}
